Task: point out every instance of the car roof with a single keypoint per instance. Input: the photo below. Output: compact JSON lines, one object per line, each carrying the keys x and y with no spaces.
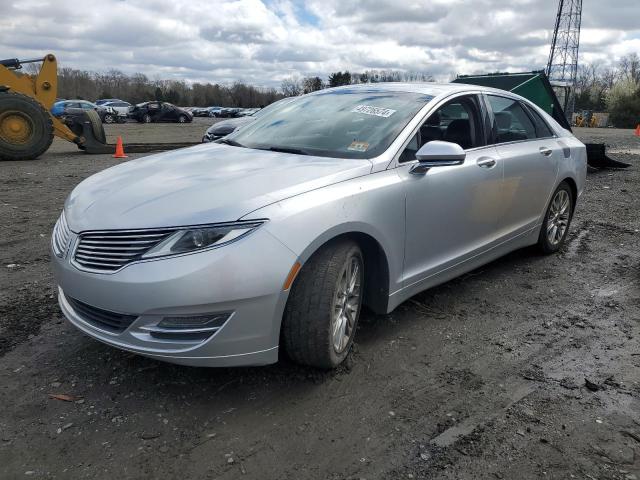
{"x":427,"y":88}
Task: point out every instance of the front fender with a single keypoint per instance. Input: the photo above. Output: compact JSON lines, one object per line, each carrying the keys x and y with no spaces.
{"x":373,"y":205}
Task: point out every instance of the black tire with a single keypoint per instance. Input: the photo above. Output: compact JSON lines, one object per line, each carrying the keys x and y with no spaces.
{"x":39,"y":134}
{"x":307,"y":324}
{"x":146,"y":118}
{"x":551,"y":220}
{"x":182,"y":119}
{"x":108,"y":118}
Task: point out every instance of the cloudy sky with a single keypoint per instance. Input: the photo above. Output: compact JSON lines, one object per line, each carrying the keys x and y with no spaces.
{"x":264,"y":41}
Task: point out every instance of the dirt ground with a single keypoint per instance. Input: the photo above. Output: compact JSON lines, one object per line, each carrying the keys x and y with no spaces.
{"x":526,"y":368}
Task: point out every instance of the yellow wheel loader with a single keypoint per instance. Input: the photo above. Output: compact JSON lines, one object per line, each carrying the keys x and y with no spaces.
{"x":27,"y":127}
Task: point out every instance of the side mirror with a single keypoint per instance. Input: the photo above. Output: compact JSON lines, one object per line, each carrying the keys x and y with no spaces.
{"x":438,"y":154}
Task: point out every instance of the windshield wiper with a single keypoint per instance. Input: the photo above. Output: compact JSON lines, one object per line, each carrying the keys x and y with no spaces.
{"x":295,"y":151}
{"x":228,"y":141}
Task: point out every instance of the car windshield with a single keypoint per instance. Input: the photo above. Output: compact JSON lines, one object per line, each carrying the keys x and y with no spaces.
{"x":342,"y":123}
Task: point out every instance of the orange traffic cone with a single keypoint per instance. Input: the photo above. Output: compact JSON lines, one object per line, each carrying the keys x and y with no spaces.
{"x":638,"y":130}
{"x":119,"y":149}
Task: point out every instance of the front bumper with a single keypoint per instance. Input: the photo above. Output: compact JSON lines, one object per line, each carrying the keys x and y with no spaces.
{"x":238,"y":279}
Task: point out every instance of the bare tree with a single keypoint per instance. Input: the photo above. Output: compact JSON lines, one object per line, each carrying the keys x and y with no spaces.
{"x":312,"y":84}
{"x":291,"y":87}
{"x":629,"y":67}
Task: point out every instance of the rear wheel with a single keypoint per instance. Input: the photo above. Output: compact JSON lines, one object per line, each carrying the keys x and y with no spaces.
{"x":108,"y":118}
{"x":26,"y":129}
{"x":557,"y":220}
{"x":322,"y":312}
{"x":146,"y":118}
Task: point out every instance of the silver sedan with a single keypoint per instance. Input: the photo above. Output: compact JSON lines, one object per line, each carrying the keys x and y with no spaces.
{"x":276,"y":236}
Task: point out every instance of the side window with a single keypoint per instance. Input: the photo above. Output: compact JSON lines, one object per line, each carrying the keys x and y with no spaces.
{"x":542,"y":128}
{"x":457,"y":122}
{"x":512,"y":123}
{"x":409,"y":152}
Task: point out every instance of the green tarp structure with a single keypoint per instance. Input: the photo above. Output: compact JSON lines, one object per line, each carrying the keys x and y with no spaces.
{"x":533,"y":86}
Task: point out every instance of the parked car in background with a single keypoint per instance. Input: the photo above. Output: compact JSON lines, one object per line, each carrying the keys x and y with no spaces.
{"x":200,"y":112}
{"x":247,"y":112}
{"x":120,"y":106}
{"x":224,"y":128}
{"x":105,"y":100}
{"x":273,"y":238}
{"x":228,"y":112}
{"x":106,"y":114}
{"x":214,"y":111}
{"x":148,"y":112}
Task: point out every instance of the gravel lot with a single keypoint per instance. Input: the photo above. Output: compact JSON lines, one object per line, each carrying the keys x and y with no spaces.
{"x":526,"y":368}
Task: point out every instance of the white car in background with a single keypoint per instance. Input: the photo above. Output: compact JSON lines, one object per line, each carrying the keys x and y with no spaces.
{"x":121,"y":107}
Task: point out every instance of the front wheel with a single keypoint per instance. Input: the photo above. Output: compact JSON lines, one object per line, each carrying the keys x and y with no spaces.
{"x":557,"y":220}
{"x":182,"y":119}
{"x":108,"y":118}
{"x":26,"y":128}
{"x":146,"y":118}
{"x":324,"y":305}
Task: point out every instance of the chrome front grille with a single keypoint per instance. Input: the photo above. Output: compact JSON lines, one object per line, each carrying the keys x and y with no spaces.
{"x":60,"y":236}
{"x":110,"y":250}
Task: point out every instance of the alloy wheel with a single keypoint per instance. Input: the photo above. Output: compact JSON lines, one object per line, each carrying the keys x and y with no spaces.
{"x":346,"y":305}
{"x":558,"y":217}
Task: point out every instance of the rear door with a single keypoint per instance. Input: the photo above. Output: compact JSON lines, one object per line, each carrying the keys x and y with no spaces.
{"x":530,"y":154}
{"x":169,"y":113}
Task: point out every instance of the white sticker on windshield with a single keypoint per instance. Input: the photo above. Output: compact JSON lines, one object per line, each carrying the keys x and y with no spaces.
{"x":377,"y":111}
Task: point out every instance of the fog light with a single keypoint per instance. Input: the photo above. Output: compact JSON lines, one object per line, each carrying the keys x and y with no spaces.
{"x":197,"y":322}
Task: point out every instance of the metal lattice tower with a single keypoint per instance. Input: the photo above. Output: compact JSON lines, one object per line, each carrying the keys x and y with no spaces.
{"x":562,"y":67}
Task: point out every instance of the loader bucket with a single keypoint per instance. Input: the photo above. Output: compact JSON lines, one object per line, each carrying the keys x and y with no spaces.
{"x":597,"y":157}
{"x":87,"y":126}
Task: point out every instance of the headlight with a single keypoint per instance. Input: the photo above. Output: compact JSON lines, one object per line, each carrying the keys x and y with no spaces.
{"x":200,"y":238}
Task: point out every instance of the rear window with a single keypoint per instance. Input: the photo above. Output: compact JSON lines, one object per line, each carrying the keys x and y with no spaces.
{"x":512,"y":123}
{"x":542,"y":128}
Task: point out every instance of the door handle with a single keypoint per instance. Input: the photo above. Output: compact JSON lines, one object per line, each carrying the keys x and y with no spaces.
{"x":486,"y":162}
{"x":546,"y":151}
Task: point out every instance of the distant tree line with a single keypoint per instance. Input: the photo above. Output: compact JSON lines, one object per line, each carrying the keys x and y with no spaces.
{"x":611,"y":89}
{"x":293,"y":86}
{"x":599,"y":88}
{"x":139,"y":88}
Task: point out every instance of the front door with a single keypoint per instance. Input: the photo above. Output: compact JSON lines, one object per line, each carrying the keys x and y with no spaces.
{"x":452,"y":211}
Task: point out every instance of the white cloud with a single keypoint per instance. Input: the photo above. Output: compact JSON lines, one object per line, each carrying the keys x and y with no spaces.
{"x":263,"y":41}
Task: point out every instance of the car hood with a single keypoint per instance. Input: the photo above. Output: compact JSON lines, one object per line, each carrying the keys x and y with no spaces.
{"x":204,"y":184}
